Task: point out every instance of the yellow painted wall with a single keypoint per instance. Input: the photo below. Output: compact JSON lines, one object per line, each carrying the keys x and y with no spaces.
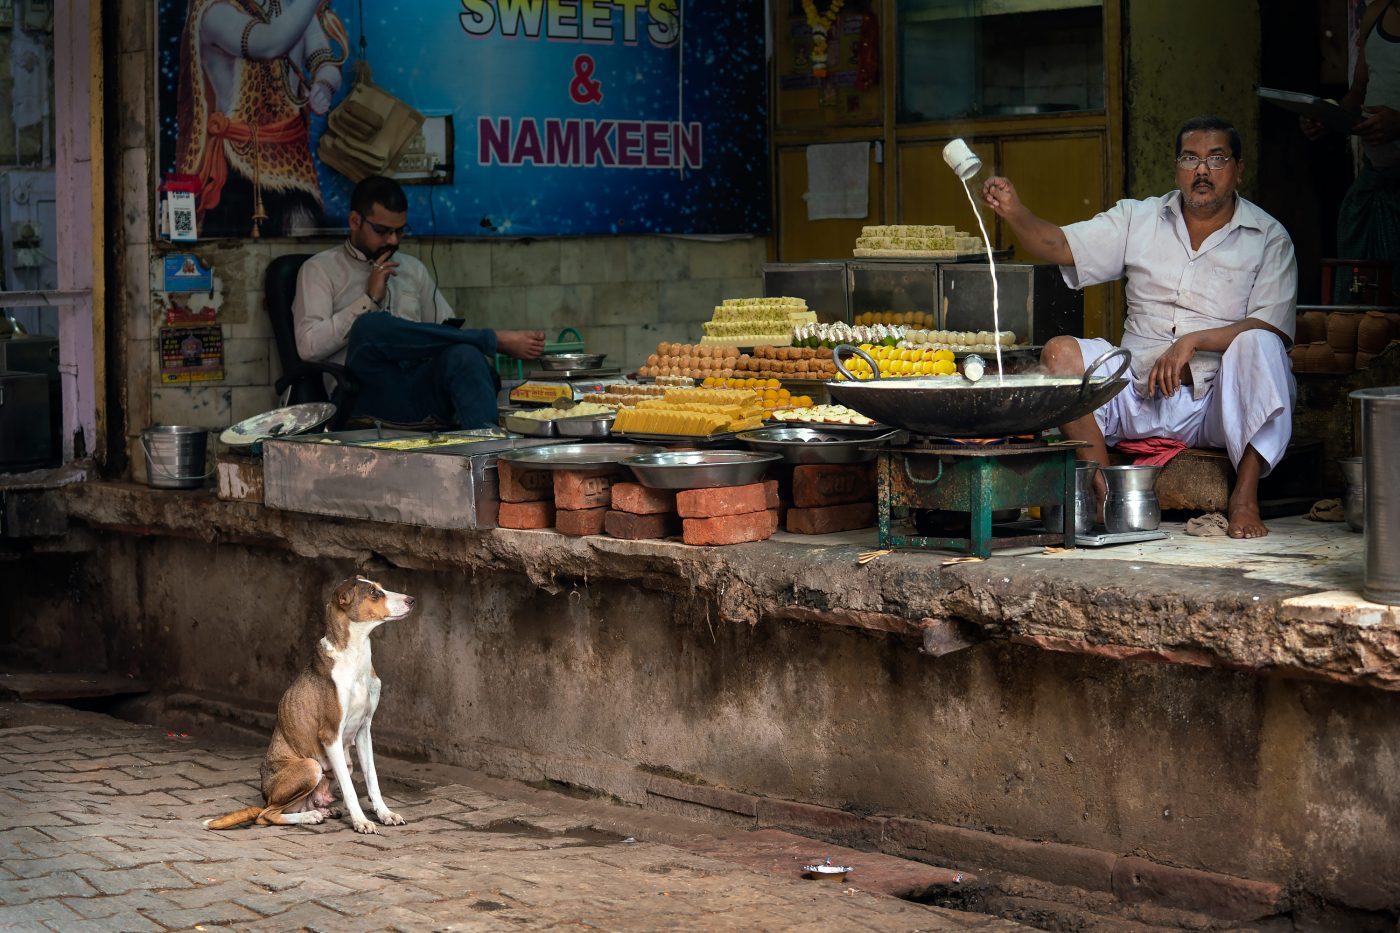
{"x":1185,"y":58}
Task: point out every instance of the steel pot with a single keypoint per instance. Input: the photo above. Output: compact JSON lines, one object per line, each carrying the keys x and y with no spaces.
{"x":1132,"y":498}
{"x":951,"y":406}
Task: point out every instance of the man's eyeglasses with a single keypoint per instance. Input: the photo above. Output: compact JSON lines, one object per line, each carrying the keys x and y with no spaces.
{"x":1213,"y":162}
{"x":382,"y":230}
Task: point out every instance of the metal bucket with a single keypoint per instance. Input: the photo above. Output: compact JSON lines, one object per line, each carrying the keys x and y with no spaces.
{"x":175,"y":456}
{"x":1380,"y":448}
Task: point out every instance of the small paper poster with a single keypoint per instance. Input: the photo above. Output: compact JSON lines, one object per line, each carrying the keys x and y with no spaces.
{"x":191,"y":354}
{"x":184,"y":273}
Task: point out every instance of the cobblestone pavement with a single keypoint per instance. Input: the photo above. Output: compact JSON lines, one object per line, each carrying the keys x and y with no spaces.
{"x":100,"y":830}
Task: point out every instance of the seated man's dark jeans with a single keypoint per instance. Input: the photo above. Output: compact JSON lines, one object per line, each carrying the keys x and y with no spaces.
{"x":412,"y":373}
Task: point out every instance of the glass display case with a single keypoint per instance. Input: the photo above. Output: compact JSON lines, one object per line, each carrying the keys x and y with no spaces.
{"x":1033,"y":301}
{"x":821,"y":284}
{"x":895,"y":291}
{"x":988,"y":58}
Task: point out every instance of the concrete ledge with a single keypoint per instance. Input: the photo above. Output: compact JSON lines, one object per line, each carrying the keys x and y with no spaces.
{"x":1136,"y":880}
{"x":1130,"y":879}
{"x":1128,"y":609}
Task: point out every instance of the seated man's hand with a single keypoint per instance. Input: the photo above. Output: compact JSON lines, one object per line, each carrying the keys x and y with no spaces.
{"x":1381,"y":125}
{"x":1167,"y":372}
{"x":521,"y":344}
{"x":1312,"y":128}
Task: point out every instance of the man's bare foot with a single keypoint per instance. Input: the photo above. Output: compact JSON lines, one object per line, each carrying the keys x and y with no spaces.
{"x":521,"y":344}
{"x":1243,"y":510}
{"x":1245,"y":521}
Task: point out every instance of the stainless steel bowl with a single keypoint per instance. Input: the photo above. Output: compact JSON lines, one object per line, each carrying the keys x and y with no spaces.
{"x":585,"y":425}
{"x":530,"y":427}
{"x":815,"y":445}
{"x":700,"y":469}
{"x":571,"y":360}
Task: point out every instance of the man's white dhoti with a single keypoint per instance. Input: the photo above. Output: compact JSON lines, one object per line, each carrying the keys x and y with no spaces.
{"x":1249,"y":402}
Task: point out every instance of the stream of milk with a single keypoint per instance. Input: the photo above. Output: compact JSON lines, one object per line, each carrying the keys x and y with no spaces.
{"x":996,"y":306}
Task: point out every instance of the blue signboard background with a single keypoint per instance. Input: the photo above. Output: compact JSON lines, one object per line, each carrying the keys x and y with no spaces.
{"x":706,"y":75}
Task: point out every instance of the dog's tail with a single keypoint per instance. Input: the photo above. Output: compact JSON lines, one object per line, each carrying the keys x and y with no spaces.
{"x":236,"y":818}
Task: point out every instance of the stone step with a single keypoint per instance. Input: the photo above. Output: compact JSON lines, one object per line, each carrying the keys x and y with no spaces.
{"x":70,"y":686}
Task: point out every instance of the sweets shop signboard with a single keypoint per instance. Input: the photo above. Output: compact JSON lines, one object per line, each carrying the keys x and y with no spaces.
{"x":543,"y":117}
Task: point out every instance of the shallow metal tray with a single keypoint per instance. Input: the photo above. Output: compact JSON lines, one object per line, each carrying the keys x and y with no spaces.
{"x":571,"y":361}
{"x":1100,"y":538}
{"x":249,"y":433}
{"x":700,"y":469}
{"x":576,"y":456}
{"x":690,"y":440}
{"x":816,"y":445}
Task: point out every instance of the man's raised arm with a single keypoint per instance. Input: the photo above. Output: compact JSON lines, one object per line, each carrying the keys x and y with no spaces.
{"x":1041,"y":238}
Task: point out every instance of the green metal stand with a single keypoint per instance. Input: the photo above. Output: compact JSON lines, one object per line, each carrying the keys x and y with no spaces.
{"x":510,"y":368}
{"x":977,"y":481}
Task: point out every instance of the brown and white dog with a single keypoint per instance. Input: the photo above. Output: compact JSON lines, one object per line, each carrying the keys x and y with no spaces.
{"x":326,"y":711}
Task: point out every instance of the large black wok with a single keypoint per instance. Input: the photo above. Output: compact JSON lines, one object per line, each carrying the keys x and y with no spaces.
{"x":952,"y":406}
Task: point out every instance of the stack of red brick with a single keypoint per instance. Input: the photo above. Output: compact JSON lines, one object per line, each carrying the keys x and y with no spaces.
{"x":589,"y":502}
{"x":828,"y":498}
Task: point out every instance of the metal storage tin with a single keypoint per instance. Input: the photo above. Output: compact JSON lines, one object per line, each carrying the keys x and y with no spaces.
{"x":899,"y":286}
{"x":822,"y":284}
{"x":1033,"y":300}
{"x":437,"y":487}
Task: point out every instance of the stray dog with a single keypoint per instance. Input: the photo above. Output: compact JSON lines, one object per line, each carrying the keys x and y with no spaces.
{"x":325,"y":711}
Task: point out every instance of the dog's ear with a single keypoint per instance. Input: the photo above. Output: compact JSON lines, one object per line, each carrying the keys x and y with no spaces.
{"x":344,"y":596}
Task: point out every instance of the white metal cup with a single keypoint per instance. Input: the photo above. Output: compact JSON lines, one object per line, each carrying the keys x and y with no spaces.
{"x":962,"y":160}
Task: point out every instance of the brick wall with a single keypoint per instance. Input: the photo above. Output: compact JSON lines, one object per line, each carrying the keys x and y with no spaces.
{"x":624,"y":294}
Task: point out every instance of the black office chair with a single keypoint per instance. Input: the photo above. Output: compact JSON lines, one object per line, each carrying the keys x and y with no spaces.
{"x":304,"y":378}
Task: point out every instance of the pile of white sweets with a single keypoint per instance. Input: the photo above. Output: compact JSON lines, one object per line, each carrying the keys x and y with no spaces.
{"x":959,"y":341}
{"x":579,"y":410}
{"x":933,"y":241}
{"x":822,"y":414}
{"x":830,"y":335}
{"x":754,"y":322}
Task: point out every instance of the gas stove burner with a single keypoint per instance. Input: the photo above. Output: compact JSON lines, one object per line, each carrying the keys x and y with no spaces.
{"x":937,"y":441}
{"x":1013,"y":442}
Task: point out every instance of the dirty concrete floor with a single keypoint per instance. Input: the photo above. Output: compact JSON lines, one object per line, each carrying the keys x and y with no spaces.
{"x":101,"y":831}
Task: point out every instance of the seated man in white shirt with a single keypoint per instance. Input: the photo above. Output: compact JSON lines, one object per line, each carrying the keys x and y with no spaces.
{"x":381,"y":314}
{"x":1212,"y":300}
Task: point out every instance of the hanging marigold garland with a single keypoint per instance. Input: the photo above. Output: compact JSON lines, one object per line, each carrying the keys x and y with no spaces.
{"x":821,"y":24}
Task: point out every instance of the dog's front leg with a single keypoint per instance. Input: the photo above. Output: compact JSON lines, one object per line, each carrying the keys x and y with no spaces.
{"x":364,"y":747}
{"x":335,"y":754}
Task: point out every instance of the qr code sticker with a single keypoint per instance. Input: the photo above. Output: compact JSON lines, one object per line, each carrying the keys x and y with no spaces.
{"x":184,"y":222}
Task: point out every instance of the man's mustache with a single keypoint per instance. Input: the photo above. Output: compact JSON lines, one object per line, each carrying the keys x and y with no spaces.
{"x":382,"y":252}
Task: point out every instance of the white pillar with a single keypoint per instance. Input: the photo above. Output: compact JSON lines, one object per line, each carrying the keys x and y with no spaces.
{"x":78,"y":122}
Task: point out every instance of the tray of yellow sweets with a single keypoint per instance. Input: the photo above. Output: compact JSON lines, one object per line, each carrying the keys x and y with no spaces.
{"x":692,"y":413}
